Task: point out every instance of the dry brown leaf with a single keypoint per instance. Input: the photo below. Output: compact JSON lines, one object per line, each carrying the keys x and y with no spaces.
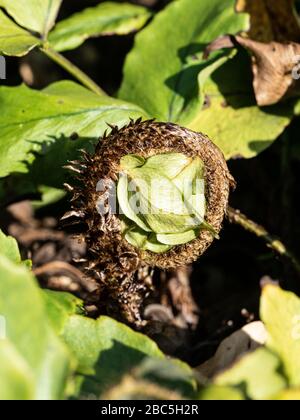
{"x":249,"y":338}
{"x":271,"y":20}
{"x":272,"y":40}
{"x":275,"y":67}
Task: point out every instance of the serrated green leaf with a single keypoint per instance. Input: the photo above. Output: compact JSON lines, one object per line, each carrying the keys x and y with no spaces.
{"x":280,"y":311}
{"x":176,"y":39}
{"x":9,"y":248}
{"x":28,"y":330}
{"x":107,"y":18}
{"x":154,"y":379}
{"x":13,"y":39}
{"x":256,"y":374}
{"x":36,"y":15}
{"x":32,"y":118}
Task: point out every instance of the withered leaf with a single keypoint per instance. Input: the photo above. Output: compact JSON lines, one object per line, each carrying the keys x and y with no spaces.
{"x":275,"y":67}
{"x":271,"y":20}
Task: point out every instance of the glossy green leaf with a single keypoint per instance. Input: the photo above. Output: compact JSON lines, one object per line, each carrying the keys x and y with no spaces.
{"x":232,"y":119}
{"x":171,"y":376}
{"x":161,"y":72}
{"x":256,"y":375}
{"x":9,"y":248}
{"x":108,"y":18}
{"x":220,"y":393}
{"x":154,"y":379}
{"x":175,"y":90}
{"x":107,"y":350}
{"x":59,"y":306}
{"x":280,"y":311}
{"x":41,"y":360}
{"x":13,"y":39}
{"x":33,"y":118}
{"x":16,"y":377}
{"x":36,"y":15}
{"x":98,"y":344}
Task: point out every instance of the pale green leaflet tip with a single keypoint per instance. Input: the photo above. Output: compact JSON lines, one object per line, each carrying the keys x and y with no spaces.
{"x":163,"y":198}
{"x":122,"y":192}
{"x":131,"y":161}
{"x":143,"y":240}
{"x":169,"y":164}
{"x":178,"y":238}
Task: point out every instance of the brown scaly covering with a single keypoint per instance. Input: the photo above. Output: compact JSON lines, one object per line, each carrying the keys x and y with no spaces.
{"x":112,"y":258}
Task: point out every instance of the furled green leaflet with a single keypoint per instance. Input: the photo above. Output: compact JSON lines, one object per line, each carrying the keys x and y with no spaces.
{"x":163,"y":200}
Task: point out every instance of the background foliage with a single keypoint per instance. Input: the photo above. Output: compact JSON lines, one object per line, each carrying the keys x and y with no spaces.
{"x":52,"y":349}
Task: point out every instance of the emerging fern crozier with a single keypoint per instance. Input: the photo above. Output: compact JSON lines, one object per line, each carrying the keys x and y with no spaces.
{"x":153,"y":194}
